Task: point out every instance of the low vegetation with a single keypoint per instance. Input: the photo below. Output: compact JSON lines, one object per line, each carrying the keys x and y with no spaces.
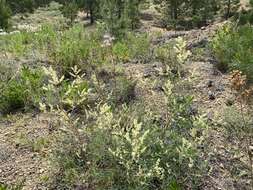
{"x":118,"y":106}
{"x":232,"y":47}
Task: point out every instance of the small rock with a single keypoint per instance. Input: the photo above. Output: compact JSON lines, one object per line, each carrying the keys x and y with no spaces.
{"x":216,"y":72}
{"x":147,"y":74}
{"x":17,"y":145}
{"x":174,"y":71}
{"x":41,"y":171}
{"x":220,"y":89}
{"x":193,"y":110}
{"x":210,"y":116}
{"x":210,"y":84}
{"x":211,"y":95}
{"x":158,"y":88}
{"x":155,"y":65}
{"x":229,"y":102}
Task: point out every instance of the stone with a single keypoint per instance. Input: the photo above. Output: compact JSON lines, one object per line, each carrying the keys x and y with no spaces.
{"x":211,"y":95}
{"x":147,"y":73}
{"x":193,"y":110}
{"x":230,"y":101}
{"x":210,"y":84}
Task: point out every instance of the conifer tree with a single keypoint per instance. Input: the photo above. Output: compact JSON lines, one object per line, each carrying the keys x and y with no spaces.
{"x":92,"y":7}
{"x":120,"y":15}
{"x":21,"y":5}
{"x":5,"y":14}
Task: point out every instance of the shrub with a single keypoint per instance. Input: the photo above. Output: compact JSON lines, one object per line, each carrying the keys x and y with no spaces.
{"x":236,"y":124}
{"x":22,"y":91}
{"x":5,"y":14}
{"x":133,"y":47}
{"x":13,"y":97}
{"x":121,"y":51}
{"x":18,"y":43}
{"x":244,"y":17}
{"x":173,"y":55}
{"x":70,"y":53}
{"x":76,"y":47}
{"x":24,"y":42}
{"x":46,"y":38}
{"x":232,"y":47}
{"x":139,"y":46}
{"x":125,"y":149}
{"x":66,"y":94}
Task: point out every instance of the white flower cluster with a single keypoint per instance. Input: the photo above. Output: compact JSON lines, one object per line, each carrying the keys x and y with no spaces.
{"x":3,"y":33}
{"x":28,"y":28}
{"x":20,"y":27}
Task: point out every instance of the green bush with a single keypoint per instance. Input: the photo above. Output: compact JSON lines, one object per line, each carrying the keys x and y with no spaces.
{"x":22,"y":91}
{"x":64,"y":93}
{"x":32,"y":88}
{"x":232,"y":46}
{"x":126,"y":148}
{"x":133,"y":47}
{"x":5,"y":14}
{"x":173,"y":55}
{"x":25,"y":42}
{"x":17,"y":43}
{"x":139,"y":46}
{"x":245,"y":17}
{"x":76,"y":47}
{"x":121,"y":51}
{"x":46,"y":38}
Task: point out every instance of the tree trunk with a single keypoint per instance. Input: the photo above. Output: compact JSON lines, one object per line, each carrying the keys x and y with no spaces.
{"x":91,"y":15}
{"x":228,"y":9}
{"x":174,"y":10}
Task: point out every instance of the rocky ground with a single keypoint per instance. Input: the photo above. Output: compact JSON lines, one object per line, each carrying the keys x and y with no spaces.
{"x":21,"y":153}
